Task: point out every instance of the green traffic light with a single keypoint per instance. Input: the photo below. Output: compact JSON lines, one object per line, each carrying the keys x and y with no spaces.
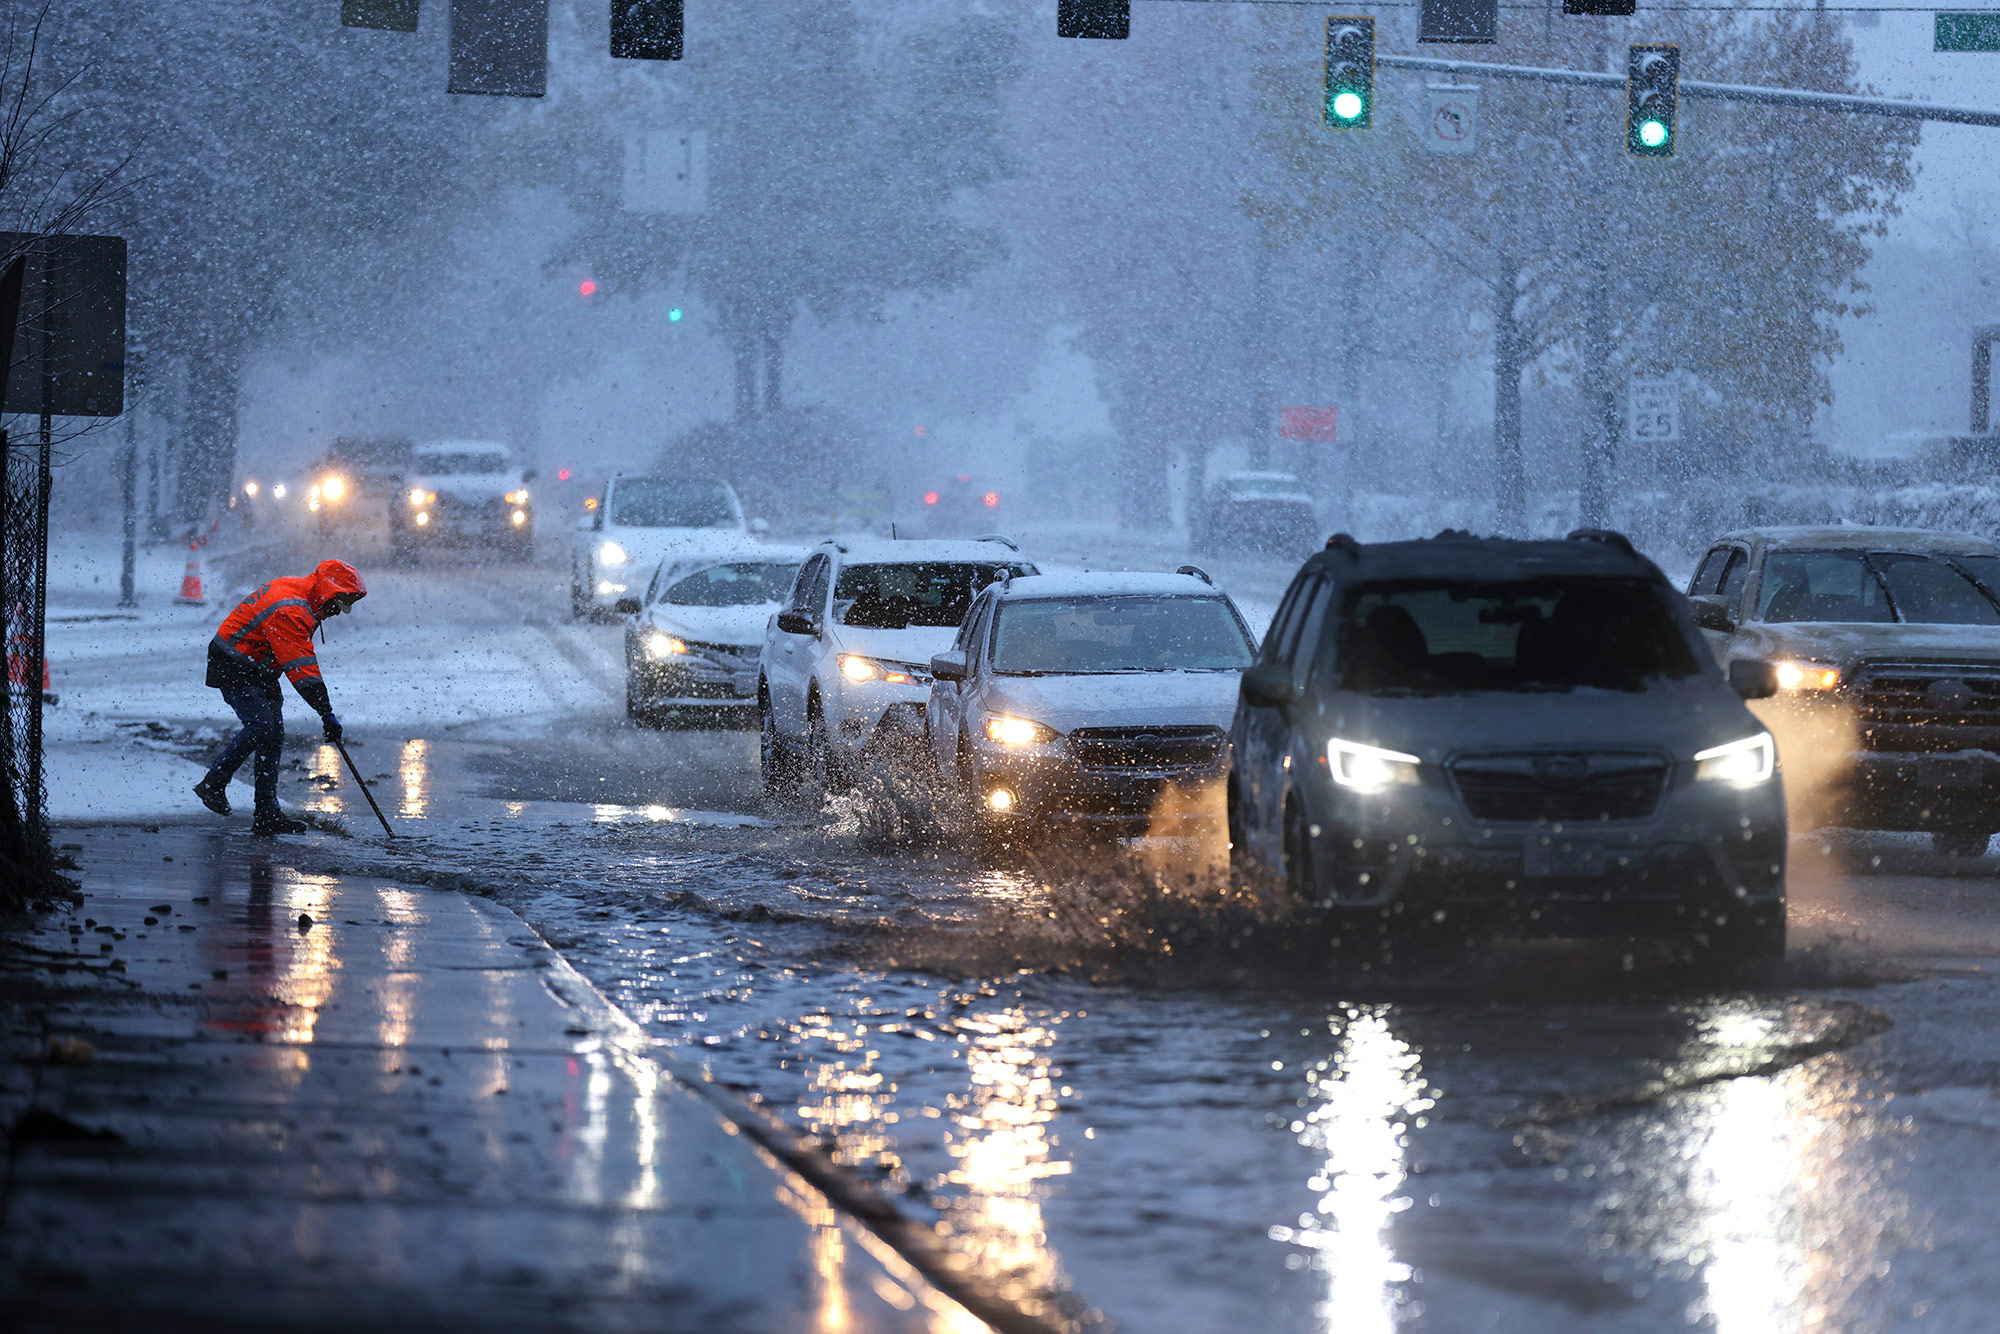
{"x":674,"y":315}
{"x":1652,"y":133}
{"x":1348,"y":105}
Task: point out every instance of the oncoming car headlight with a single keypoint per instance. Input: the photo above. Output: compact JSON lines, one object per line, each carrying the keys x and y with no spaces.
{"x":665,"y":646}
{"x":420,"y":497}
{"x":1806,"y":676}
{"x":612,"y":554}
{"x":1018,"y":731}
{"x":857,"y":668}
{"x":517,"y":497}
{"x":1744,"y":763}
{"x":333,"y":487}
{"x":1368,"y":768}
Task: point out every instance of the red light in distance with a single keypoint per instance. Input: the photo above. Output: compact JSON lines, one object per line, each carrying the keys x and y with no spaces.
{"x":562,"y":474}
{"x":930,"y":497}
{"x":920,"y":429}
{"x":586,"y":287}
{"x":992,"y":499}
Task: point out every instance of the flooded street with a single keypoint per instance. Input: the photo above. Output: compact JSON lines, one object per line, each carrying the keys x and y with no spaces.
{"x":1131,"y":1099}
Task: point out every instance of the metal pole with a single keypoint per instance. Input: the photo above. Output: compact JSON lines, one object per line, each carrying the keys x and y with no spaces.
{"x":127,"y":594}
{"x":1982,"y":377}
{"x":364,"y":789}
{"x":1725,"y":92}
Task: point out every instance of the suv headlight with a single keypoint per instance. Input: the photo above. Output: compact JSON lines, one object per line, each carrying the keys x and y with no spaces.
{"x":857,"y":668}
{"x":1368,"y":768}
{"x":665,"y":645}
{"x":1744,"y":763}
{"x":1802,"y":675}
{"x":1019,"y":731}
{"x":612,"y":554}
{"x":517,"y":497}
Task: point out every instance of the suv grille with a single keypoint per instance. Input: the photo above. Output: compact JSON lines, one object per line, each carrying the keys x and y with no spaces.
{"x":1965,"y":693}
{"x":1572,"y":785}
{"x":1177,"y":747}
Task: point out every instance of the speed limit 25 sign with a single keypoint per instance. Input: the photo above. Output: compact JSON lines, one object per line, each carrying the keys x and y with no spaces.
{"x":1653,"y":412}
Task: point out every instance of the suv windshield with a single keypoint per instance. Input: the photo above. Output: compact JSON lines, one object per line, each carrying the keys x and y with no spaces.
{"x":1873,"y":587}
{"x":644,"y":502}
{"x":461,"y":464}
{"x":1119,"y":634}
{"x":1436,"y":637}
{"x":895,"y":597}
{"x":745,"y":585}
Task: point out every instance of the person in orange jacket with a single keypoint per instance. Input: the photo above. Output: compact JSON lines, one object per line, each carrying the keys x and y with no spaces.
{"x":267,"y":637}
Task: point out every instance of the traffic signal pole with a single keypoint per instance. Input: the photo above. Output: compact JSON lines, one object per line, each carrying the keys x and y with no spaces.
{"x":1723,"y":92}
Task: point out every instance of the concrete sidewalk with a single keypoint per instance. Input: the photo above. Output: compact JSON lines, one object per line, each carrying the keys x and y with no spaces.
{"x":333,"y":1102}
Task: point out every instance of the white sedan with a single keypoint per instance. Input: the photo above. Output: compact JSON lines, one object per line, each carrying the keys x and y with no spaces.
{"x":692,"y":648}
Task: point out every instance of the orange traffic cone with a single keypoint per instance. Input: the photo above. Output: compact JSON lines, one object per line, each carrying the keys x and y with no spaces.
{"x":191,"y":594}
{"x":17,"y":650}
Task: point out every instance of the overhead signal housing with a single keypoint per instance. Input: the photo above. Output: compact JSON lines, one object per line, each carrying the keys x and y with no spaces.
{"x":1612,"y":9}
{"x":1652,"y":95}
{"x":646,"y":29}
{"x":1106,"y":19}
{"x":1350,"y":73}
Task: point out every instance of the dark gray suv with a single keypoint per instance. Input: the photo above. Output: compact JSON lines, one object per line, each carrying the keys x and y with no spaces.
{"x":1477,"y":735}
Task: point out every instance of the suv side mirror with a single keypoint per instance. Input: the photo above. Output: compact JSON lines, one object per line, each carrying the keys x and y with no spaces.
{"x":949,"y":665}
{"x":1753,"y":679}
{"x":1711,"y":613}
{"x":795,"y":622}
{"x":626,"y":606}
{"x":1269,"y":685}
{"x":760,"y":526}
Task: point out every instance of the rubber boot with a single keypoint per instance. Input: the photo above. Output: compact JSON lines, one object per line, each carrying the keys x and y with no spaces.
{"x":271,"y":820}
{"x":213,"y":795}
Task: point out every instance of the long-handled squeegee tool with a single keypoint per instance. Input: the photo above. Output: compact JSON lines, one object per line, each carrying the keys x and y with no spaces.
{"x":364,"y":789}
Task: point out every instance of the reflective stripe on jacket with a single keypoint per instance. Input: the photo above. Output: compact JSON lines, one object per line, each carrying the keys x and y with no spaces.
{"x":273,"y":628}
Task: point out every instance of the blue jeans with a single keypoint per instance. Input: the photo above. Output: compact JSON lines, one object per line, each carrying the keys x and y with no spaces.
{"x":262,"y":710}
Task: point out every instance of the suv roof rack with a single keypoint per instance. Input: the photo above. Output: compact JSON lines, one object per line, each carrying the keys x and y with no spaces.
{"x":1197,"y":572}
{"x":1343,"y":543}
{"x":1001,"y":538}
{"x":1608,"y":536}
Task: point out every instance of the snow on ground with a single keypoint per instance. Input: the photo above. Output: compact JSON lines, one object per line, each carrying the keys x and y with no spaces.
{"x":409,"y":660}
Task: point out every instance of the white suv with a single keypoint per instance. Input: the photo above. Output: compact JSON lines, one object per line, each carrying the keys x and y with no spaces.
{"x":642,"y":521}
{"x":845,"y":670}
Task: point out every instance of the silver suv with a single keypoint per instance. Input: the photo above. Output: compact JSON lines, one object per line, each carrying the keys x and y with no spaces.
{"x":1084,"y":700}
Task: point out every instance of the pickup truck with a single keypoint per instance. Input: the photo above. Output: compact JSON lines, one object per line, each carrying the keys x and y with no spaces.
{"x":1886,"y":649}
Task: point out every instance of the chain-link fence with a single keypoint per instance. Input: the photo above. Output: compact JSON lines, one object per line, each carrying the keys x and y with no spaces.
{"x":26,"y":858}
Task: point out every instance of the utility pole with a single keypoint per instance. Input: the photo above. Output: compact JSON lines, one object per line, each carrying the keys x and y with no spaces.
{"x":127,"y":595}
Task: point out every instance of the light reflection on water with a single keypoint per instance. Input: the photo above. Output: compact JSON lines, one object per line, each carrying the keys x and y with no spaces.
{"x":996,"y":1132}
{"x":1004,"y":1151}
{"x":1365,"y":1100}
{"x":416,"y":772}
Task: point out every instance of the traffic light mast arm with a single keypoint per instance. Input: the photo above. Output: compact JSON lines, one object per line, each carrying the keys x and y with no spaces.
{"x":1726,"y":92}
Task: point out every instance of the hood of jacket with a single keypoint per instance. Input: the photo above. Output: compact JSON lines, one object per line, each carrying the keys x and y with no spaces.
{"x":330,"y":580}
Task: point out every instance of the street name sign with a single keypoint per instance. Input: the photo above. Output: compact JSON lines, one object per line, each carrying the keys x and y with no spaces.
{"x":1969,"y":32}
{"x":1653,"y":411}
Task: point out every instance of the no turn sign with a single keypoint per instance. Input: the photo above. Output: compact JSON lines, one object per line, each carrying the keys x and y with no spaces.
{"x":1451,"y":119}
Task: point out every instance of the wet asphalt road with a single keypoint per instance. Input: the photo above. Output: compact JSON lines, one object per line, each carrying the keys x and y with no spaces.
{"x":1138,"y":1099}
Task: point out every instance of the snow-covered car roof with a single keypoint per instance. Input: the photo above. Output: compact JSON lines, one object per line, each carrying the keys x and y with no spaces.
{"x":462,"y":447}
{"x":738,"y":553}
{"x":1462,"y":556}
{"x":1860,"y":537}
{"x":1087,"y":584}
{"x":898,"y":551}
